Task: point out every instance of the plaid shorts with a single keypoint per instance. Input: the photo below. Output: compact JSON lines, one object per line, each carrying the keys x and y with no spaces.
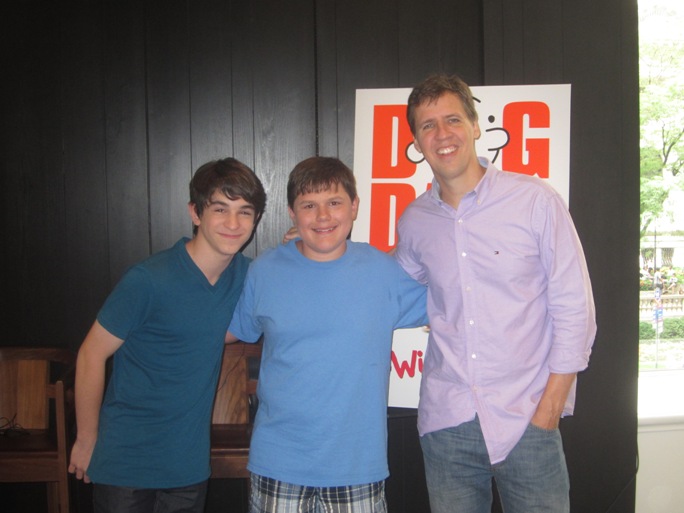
{"x":272,"y":496}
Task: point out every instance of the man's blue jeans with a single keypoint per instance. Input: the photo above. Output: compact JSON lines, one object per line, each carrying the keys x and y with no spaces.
{"x":532,"y":479}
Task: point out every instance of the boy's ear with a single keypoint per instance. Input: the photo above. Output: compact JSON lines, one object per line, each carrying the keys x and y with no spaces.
{"x":291,"y":212}
{"x":355,"y":208}
{"x":192,"y":210}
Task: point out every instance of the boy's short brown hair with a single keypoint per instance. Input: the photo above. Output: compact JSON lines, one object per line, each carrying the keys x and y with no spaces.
{"x":317,"y":174}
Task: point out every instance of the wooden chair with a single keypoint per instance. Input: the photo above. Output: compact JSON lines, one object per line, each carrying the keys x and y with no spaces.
{"x":234,"y":407}
{"x":34,"y":443}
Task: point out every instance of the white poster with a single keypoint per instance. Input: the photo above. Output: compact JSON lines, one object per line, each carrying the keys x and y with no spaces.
{"x":525,"y":129}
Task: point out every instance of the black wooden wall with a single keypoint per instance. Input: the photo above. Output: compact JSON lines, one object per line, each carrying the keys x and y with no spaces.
{"x":108,"y":108}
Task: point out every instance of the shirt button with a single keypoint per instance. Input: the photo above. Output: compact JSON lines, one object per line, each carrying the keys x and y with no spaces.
{"x":471,"y":322}
{"x":473,"y":356}
{"x":460,"y":221}
{"x":463,"y":254}
{"x":468,"y":289}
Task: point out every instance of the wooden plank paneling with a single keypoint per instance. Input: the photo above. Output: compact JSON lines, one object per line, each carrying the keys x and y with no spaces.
{"x":210,"y":70}
{"x":449,"y":42}
{"x":513,"y":31}
{"x":168,"y":114}
{"x":406,"y":489}
{"x":242,"y":100}
{"x":126,"y":137}
{"x":327,"y":87}
{"x":83,"y":134}
{"x":493,"y":41}
{"x":544,"y":55}
{"x":31,"y":179}
{"x":524,"y":42}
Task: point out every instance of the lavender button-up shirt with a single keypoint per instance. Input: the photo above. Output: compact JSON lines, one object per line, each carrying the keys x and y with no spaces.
{"x":509,"y":302}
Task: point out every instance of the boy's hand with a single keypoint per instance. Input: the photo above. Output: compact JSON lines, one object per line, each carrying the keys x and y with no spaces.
{"x":291,"y":234}
{"x":80,"y":459}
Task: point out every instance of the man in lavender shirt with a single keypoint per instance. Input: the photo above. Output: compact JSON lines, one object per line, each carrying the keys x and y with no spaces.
{"x":511,"y":314}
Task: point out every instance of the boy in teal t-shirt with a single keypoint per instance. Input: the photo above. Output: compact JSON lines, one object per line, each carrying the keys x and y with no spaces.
{"x":146,"y":447}
{"x":327,"y":308}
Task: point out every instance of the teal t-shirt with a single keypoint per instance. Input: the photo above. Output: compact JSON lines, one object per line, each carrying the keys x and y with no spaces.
{"x":324,"y":378}
{"x":156,"y":415}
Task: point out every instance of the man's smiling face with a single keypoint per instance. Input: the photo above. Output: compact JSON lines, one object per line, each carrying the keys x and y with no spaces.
{"x":446,"y":138}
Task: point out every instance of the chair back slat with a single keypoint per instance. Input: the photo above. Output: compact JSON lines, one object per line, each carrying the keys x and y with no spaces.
{"x":23,"y":395}
{"x":235,"y":385}
{"x":229,"y":405}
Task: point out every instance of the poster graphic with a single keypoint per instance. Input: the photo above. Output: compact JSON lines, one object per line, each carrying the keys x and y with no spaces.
{"x":525,"y":129}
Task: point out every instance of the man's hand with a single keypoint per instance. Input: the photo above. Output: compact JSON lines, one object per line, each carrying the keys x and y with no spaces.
{"x":291,"y":234}
{"x":552,"y":402}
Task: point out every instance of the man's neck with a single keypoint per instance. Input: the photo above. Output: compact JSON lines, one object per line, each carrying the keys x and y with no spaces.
{"x":452,"y":191}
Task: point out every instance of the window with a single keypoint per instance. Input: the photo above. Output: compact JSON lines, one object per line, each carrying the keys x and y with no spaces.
{"x":661,"y":255}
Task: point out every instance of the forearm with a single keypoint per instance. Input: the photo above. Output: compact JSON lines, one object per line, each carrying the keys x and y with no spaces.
{"x":89,"y":389}
{"x":552,"y":401}
{"x":98,"y":346}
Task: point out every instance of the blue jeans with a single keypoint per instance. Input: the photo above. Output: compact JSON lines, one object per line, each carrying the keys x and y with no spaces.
{"x":532,"y":479}
{"x":121,"y":499}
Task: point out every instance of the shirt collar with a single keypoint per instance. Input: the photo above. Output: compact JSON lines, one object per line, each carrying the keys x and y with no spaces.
{"x":481,"y":189}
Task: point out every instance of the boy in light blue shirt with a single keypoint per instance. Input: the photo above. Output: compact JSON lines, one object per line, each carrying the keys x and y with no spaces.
{"x":327,"y":308}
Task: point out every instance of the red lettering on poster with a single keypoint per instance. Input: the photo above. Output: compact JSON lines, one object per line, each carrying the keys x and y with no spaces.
{"x":520,"y":155}
{"x":388,"y":201}
{"x":406,"y":367}
{"x":391,"y":137}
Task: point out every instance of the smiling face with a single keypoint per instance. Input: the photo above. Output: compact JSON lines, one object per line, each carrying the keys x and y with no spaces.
{"x":224,"y":227}
{"x":324,"y":219}
{"x":446,"y":136}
